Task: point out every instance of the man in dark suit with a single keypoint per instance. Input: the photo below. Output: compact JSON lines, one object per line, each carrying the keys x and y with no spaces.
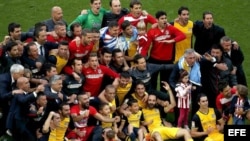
{"x":236,"y":56}
{"x":19,"y":107}
{"x":7,"y":86}
{"x":54,"y":94}
{"x":206,"y":33}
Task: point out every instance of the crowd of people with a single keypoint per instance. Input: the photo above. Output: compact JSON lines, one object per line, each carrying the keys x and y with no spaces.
{"x":114,"y":75}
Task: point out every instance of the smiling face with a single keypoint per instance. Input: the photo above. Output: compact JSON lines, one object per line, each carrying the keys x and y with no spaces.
{"x":134,"y":108}
{"x":105,"y":110}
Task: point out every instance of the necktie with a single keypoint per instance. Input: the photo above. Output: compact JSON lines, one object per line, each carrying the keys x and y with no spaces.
{"x":41,"y":50}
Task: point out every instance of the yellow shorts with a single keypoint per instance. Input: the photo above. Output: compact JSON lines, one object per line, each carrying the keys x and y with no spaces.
{"x":166,"y":132}
{"x":215,"y":137}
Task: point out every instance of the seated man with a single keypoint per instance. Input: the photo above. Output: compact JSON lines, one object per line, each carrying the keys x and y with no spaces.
{"x":82,"y":115}
{"x":200,"y":127}
{"x":153,"y":120}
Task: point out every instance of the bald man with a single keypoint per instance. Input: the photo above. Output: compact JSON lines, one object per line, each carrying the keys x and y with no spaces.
{"x":17,"y":120}
{"x":56,"y":15}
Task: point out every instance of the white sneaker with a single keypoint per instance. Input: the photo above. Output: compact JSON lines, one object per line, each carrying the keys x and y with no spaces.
{"x":8,"y":132}
{"x":186,"y":127}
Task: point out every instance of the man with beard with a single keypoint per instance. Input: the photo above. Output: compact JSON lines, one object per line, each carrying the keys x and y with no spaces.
{"x":83,"y":115}
{"x":211,"y":75}
{"x":10,"y":56}
{"x":66,"y":123}
{"x":152,"y":117}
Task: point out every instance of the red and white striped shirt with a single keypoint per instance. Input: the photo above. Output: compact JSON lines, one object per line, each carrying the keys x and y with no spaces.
{"x":183,"y":94}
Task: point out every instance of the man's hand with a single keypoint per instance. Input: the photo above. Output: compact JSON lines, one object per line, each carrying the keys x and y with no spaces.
{"x":40,"y":110}
{"x":84,"y":12}
{"x":38,"y":65}
{"x":221,"y":66}
{"x":19,"y":91}
{"x":60,"y":95}
{"x":76,"y":76}
{"x":145,"y":98}
{"x":208,"y":57}
{"x":40,"y":88}
{"x":117,"y":119}
{"x":165,"y":85}
{"x":167,"y":41}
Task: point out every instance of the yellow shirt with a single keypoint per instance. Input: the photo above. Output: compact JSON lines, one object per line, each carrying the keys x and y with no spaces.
{"x":209,"y":120}
{"x":107,"y":124}
{"x":121,"y":92}
{"x":132,"y":50}
{"x":52,"y":135}
{"x":181,"y":46}
{"x":134,"y":119}
{"x":154,"y":115}
{"x":140,"y":102}
{"x":60,"y":131}
{"x":60,"y":63}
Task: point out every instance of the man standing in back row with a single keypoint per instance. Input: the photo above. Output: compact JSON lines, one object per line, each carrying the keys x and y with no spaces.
{"x":162,"y":38}
{"x":206,"y":33}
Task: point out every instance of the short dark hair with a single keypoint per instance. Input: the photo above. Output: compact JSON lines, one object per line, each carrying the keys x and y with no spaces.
{"x":160,"y":13}
{"x":105,"y":50}
{"x":10,"y":45}
{"x":12,"y":26}
{"x":125,"y":24}
{"x":85,"y":31}
{"x":37,"y":32}
{"x":137,"y":57}
{"x":29,"y":45}
{"x":112,"y":24}
{"x":222,"y":85}
{"x":206,"y":13}
{"x":139,"y":82}
{"x":199,"y":96}
{"x":73,"y":61}
{"x":47,"y":67}
{"x":181,"y":9}
{"x":134,"y":2}
{"x":102,"y":105}
{"x":116,"y":50}
{"x":132,"y":101}
{"x":63,"y":42}
{"x":216,"y":46}
{"x":76,"y":24}
{"x":63,"y":104}
{"x":38,"y":25}
{"x":125,"y":74}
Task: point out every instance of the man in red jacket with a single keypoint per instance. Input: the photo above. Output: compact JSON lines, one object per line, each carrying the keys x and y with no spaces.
{"x":94,"y":74}
{"x":162,"y":38}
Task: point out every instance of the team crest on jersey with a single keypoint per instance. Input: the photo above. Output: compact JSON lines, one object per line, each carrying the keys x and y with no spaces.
{"x":166,"y":32}
{"x":99,"y":71}
{"x":148,"y":74}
